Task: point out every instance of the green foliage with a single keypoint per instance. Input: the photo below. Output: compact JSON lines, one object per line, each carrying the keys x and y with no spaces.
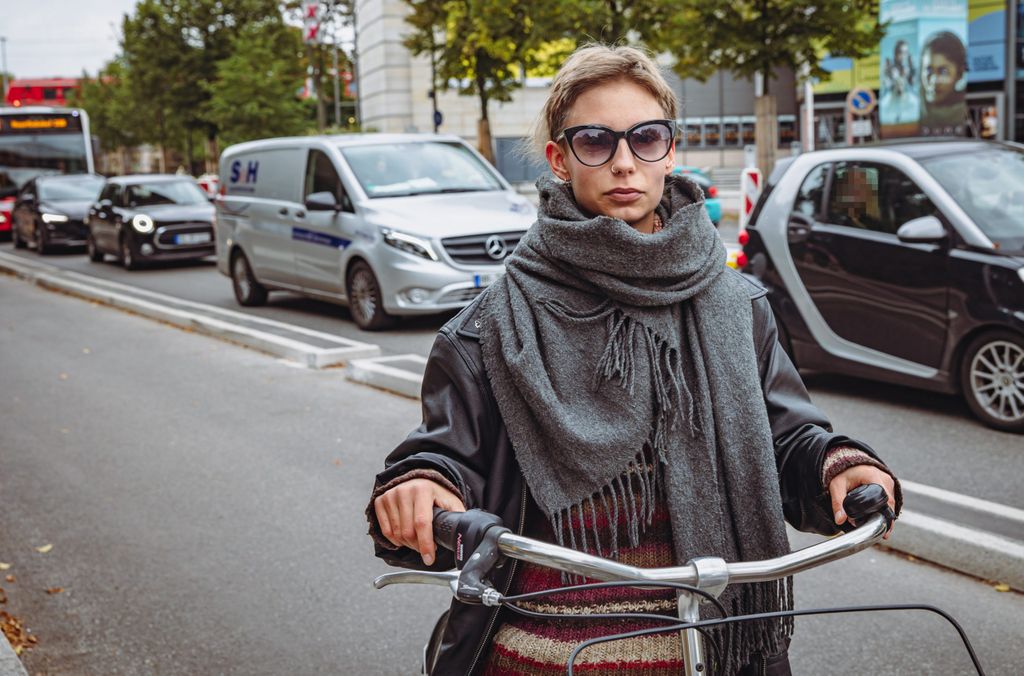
{"x":751,"y":36}
{"x":253,"y":93}
{"x":114,"y":113}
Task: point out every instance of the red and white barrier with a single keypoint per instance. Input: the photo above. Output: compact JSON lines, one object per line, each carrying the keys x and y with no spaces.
{"x":750,"y":190}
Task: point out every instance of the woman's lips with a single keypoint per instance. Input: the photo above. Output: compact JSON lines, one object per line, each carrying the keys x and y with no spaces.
{"x":624,"y":195}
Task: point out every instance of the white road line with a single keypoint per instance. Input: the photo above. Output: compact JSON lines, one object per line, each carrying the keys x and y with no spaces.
{"x":965,"y":501}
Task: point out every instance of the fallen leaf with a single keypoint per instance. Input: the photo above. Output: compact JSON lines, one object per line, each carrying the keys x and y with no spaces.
{"x":54,"y":590}
{"x":44,"y":549}
{"x":1002,"y":587}
{"x":3,"y":595}
{"x":63,"y":376}
{"x":337,"y":462}
{"x":9,"y":578}
{"x":5,"y":566}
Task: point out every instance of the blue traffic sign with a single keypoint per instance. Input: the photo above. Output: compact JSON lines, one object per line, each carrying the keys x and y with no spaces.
{"x":861,"y":101}
{"x":438,"y":118}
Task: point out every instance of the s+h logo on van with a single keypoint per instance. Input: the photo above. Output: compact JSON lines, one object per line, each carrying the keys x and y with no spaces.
{"x":250,"y":170}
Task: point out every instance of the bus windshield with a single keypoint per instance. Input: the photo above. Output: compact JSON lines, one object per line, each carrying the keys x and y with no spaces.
{"x":32,"y":144}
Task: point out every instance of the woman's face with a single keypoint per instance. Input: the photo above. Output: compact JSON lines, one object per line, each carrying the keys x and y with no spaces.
{"x":938,"y":77}
{"x":625,"y":187}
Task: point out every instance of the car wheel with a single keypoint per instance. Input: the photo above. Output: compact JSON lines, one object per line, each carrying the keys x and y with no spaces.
{"x":127,"y":255}
{"x":248,"y":291}
{"x":19,"y":243}
{"x":42,"y":246}
{"x":364,"y":299}
{"x":93,"y":251}
{"x":992,"y":379}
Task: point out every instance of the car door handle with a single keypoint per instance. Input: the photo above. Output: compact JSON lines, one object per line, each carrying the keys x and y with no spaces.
{"x":300,"y":214}
{"x":283,"y":211}
{"x":797,"y":232}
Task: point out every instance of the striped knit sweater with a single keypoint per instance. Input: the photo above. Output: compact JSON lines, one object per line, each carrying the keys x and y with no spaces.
{"x":525,"y":645}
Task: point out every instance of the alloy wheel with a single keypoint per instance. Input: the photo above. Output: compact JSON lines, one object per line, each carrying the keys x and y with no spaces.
{"x":997,"y":380}
{"x":364,"y":296}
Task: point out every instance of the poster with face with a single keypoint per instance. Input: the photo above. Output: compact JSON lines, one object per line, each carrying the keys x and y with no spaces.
{"x":923,"y":68}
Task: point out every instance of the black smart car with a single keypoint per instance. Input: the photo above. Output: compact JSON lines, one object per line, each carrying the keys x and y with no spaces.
{"x":50,"y":211}
{"x":150,"y":218}
{"x":903,"y":263}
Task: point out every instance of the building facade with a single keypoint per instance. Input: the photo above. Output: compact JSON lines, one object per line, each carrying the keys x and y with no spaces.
{"x":717,"y":116}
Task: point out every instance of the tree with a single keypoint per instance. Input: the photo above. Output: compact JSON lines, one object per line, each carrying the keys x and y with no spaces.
{"x":751,"y":37}
{"x":480,"y":48}
{"x":254,"y":94}
{"x":115,"y":115}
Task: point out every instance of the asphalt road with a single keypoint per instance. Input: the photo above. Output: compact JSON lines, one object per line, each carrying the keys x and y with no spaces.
{"x":926,"y":437}
{"x":204,"y":506}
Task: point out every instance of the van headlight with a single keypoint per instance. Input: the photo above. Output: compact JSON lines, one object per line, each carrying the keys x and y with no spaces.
{"x":408,"y":243}
{"x":142,"y":223}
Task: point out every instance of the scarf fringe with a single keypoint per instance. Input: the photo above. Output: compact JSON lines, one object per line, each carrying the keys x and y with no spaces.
{"x":633,"y":494}
{"x":626,"y":338}
{"x":740,"y":642}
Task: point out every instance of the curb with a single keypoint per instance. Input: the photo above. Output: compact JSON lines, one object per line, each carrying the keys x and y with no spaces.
{"x":276,"y":338}
{"x":10,"y":664}
{"x":973,"y":536}
{"x":387,"y":373}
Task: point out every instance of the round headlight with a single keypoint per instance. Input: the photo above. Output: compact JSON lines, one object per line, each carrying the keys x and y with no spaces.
{"x":142,"y":223}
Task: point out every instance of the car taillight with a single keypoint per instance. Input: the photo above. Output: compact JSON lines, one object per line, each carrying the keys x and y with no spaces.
{"x":741,"y":260}
{"x":743,"y":237}
{"x":713,"y":191}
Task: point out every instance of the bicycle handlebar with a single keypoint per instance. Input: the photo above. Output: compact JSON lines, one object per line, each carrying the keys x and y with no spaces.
{"x":478,"y":538}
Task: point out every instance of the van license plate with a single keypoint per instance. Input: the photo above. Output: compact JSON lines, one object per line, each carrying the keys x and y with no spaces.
{"x":485,"y":279}
{"x":192,"y":238}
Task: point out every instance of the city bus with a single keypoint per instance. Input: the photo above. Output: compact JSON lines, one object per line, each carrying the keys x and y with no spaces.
{"x":38,"y":140}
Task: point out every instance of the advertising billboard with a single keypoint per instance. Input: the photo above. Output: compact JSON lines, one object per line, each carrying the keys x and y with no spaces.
{"x":923,"y":68}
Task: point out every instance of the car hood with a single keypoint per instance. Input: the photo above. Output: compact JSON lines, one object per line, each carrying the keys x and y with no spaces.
{"x":75,"y":209}
{"x":175,"y":213}
{"x":453,"y":214}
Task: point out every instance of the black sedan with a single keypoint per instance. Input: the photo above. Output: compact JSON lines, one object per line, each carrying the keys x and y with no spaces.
{"x":904,"y":263}
{"x":147,"y":218}
{"x":49,"y":211}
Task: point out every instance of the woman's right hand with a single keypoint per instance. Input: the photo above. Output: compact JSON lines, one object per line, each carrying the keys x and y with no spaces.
{"x":406,"y":514}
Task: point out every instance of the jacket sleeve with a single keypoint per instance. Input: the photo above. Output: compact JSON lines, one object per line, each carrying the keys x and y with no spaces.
{"x":449,"y":441}
{"x":801,"y":433}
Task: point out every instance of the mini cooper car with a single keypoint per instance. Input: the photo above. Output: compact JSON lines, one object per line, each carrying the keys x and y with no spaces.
{"x":150,"y":218}
{"x":903,"y":263}
{"x":50,"y":211}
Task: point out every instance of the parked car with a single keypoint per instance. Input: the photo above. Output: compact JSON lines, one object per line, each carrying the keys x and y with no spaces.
{"x":711,"y":200}
{"x":904,"y":263}
{"x":156,"y":217}
{"x":50,"y":211}
{"x":389,"y":224}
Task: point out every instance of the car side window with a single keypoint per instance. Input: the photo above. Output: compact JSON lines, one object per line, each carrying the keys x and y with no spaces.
{"x":902,"y":200}
{"x":116,"y":193}
{"x":812,"y":190}
{"x":854,"y":198}
{"x":322,"y":177}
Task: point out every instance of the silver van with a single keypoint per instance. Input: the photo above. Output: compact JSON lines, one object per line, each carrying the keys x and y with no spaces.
{"x":389,"y":224}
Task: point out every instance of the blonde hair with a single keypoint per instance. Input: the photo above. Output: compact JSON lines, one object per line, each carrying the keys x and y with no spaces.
{"x":592,"y":65}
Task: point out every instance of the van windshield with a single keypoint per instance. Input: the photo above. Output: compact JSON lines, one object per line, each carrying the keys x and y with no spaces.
{"x":404,"y":169}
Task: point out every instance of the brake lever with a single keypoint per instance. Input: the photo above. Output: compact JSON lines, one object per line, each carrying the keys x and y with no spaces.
{"x":448,"y":578}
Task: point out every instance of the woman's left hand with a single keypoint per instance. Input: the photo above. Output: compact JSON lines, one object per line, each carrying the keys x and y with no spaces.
{"x":859,"y":475}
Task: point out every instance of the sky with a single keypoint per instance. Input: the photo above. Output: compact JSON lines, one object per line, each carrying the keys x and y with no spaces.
{"x":60,"y":38}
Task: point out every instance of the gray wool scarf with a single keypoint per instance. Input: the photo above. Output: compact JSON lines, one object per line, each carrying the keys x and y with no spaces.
{"x":623,"y":362}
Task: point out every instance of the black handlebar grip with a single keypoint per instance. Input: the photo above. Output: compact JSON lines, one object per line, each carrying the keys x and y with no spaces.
{"x":864,"y":501}
{"x":446,"y":528}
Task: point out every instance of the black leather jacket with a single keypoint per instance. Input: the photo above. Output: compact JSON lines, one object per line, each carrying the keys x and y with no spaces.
{"x":463,"y":437}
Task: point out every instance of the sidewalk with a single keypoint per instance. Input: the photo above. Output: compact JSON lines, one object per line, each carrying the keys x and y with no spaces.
{"x":10,"y":665}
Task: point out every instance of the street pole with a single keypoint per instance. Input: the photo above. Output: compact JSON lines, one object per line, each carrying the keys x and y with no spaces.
{"x":433,"y":84}
{"x":3,"y":50}
{"x":808,"y":134}
{"x":337,"y":95}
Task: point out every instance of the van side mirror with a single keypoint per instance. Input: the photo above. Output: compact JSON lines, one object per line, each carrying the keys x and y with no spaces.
{"x":923,"y":230}
{"x":322,"y":201}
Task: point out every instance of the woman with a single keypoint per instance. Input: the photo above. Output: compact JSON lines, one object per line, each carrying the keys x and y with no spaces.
{"x":943,"y":84}
{"x":618,"y":391}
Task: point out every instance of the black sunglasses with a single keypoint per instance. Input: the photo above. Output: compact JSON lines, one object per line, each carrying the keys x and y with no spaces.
{"x":594,"y":144}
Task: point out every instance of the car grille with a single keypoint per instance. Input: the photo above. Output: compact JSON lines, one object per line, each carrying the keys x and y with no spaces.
{"x":472,"y":249}
{"x":459,"y":296}
{"x":166,"y":233}
{"x":75,"y":229}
